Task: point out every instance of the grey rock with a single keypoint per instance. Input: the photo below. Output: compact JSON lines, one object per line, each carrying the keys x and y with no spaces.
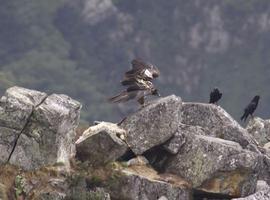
{"x":216,"y":165}
{"x":154,"y":124}
{"x":217,"y":123}
{"x":16,"y":106}
{"x":259,"y":129}
{"x":261,"y":195}
{"x":261,"y":185}
{"x":143,"y":183}
{"x":49,"y":135}
{"x":101,"y":144}
{"x":51,"y":195}
{"x":179,"y":138}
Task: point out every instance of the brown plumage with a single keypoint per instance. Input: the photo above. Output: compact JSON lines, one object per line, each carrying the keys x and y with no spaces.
{"x":140,"y":71}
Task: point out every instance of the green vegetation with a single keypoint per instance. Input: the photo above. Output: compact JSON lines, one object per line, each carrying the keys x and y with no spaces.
{"x":52,"y":46}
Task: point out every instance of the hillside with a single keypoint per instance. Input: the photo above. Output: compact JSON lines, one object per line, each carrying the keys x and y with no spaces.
{"x":83,"y":48}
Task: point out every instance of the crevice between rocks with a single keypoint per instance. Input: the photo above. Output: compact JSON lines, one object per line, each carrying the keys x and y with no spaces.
{"x":202,"y":195}
{"x":24,"y":127}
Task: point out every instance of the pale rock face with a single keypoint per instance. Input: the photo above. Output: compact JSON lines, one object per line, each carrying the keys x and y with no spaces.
{"x":154,"y":124}
{"x":101,"y":144}
{"x":37,"y":129}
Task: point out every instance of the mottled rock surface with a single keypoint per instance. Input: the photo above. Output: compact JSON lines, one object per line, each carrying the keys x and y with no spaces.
{"x":216,"y":165}
{"x":179,"y":138}
{"x":37,"y":129}
{"x":259,"y":129}
{"x":143,"y":183}
{"x":217,"y":123}
{"x":261,"y":195}
{"x":16,"y":106}
{"x":101,"y":144}
{"x":154,"y":124}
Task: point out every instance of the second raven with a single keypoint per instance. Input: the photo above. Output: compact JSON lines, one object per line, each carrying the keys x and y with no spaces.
{"x":251,"y":107}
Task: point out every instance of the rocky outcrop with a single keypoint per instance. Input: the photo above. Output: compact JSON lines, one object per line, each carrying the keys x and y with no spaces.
{"x":38,"y":129}
{"x":153,"y":125}
{"x":101,"y":144}
{"x":217,"y":123}
{"x":216,"y":165}
{"x":260,"y":130}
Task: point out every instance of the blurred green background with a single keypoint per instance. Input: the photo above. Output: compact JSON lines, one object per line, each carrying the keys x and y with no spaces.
{"x":82,"y":48}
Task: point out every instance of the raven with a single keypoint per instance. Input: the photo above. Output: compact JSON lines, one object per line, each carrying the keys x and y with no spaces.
{"x":251,"y":107}
{"x":139,"y":90}
{"x":140,"y":71}
{"x":215,"y":95}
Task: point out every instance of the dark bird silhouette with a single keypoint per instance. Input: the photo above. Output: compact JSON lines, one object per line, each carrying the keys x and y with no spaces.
{"x":215,"y":96}
{"x":139,"y":90}
{"x":251,"y":107}
{"x":140,"y":71}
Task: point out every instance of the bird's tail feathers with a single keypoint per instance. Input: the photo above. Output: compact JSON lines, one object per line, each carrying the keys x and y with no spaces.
{"x":244,"y":117}
{"x":121,"y":97}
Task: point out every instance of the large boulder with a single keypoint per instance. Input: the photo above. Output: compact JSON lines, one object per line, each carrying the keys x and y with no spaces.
{"x":154,"y":124}
{"x":48,"y":136}
{"x":216,"y":165}
{"x":16,"y":106}
{"x":217,"y":123}
{"x":259,"y":129}
{"x":101,"y":144}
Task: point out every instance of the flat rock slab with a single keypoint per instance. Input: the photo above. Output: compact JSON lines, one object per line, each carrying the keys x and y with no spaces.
{"x":49,"y":134}
{"x":153,"y":124}
{"x":101,"y":144}
{"x":217,"y":123}
{"x":216,"y":165}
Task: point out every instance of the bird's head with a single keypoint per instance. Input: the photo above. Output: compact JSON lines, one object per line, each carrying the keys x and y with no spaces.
{"x":256,"y":98}
{"x":155,"y":92}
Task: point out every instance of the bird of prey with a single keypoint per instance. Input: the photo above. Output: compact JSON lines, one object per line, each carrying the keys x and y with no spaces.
{"x":139,"y":90}
{"x":251,"y":107}
{"x":140,"y":71}
{"x":215,"y":95}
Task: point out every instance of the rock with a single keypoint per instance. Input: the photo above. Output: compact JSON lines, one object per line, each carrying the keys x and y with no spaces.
{"x":139,"y":160}
{"x":51,"y":195}
{"x":16,"y":106}
{"x":49,"y":134}
{"x":143,"y":183}
{"x":261,"y":195}
{"x":101,"y":144}
{"x":259,"y":129}
{"x":217,"y":123}
{"x":3,"y":192}
{"x":216,"y":165}
{"x":154,"y":124}
{"x":261,"y":185}
{"x":179,"y":139}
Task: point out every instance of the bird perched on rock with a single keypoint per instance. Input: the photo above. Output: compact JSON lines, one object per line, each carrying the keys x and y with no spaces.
{"x":140,"y":71}
{"x":251,"y":107}
{"x":215,"y":96}
{"x":138,"y":81}
{"x":139,"y":90}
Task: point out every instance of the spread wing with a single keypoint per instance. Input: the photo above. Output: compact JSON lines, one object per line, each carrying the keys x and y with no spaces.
{"x":140,"y":70}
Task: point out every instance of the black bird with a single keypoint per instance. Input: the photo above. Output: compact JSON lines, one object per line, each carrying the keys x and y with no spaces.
{"x":138,"y":91}
{"x":215,"y":95}
{"x":140,"y":71}
{"x":251,"y":107}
